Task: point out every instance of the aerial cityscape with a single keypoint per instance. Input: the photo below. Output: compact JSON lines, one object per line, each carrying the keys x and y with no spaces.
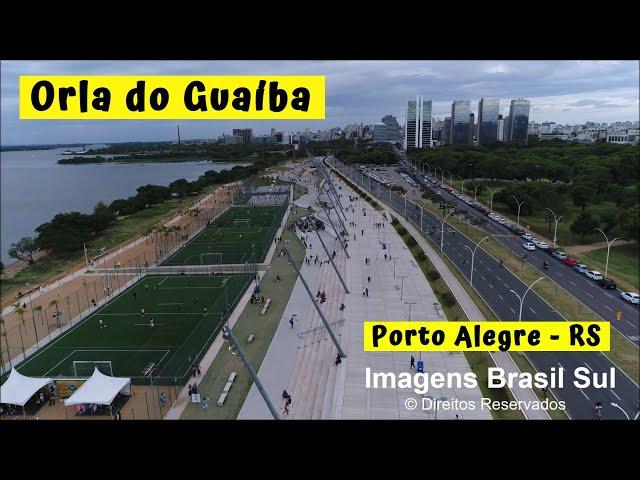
{"x":235,"y":269}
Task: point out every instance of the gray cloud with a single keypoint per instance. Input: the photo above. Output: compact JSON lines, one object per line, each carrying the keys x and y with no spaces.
{"x":362,"y":91}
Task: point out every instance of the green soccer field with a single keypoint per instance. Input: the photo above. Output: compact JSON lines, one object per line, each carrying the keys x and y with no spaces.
{"x":120,"y":334}
{"x":242,"y":234}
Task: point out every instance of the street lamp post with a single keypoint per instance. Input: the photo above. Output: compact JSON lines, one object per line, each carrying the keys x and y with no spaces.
{"x":467,"y":180}
{"x":519,"y":205}
{"x":442,"y":230}
{"x":435,"y":173}
{"x":473,"y":257}
{"x":555,"y":229}
{"x":614,"y":404}
{"x":609,"y":243}
{"x":402,"y":277}
{"x":491,"y":201}
{"x":523,"y":296}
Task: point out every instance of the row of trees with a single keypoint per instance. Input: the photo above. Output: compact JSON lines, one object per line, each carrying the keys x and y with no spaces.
{"x":365,"y":152}
{"x":65,"y":233}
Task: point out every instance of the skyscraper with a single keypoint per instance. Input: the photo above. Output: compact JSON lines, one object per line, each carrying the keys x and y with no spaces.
{"x":418,"y":124}
{"x":488,"y":116}
{"x":245,"y":133}
{"x":446,"y":132}
{"x":500,"y":128}
{"x":507,"y":129}
{"x":460,"y":116}
{"x":519,"y":120}
{"x":387,"y":131}
{"x":472,"y":124}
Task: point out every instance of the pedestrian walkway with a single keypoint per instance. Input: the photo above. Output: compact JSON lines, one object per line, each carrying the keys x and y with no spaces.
{"x":501,"y":359}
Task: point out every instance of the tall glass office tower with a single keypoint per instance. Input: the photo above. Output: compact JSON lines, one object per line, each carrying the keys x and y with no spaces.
{"x":488,"y":113}
{"x":460,"y":115}
{"x":519,"y":120}
{"x":418,"y":126}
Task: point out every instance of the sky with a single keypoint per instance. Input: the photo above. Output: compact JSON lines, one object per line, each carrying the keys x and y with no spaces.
{"x":567,"y":92}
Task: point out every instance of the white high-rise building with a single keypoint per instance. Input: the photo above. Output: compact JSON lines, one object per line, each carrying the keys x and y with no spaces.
{"x":418,"y":124}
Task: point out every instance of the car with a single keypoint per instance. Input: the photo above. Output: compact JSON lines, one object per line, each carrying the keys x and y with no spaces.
{"x":519,"y":231}
{"x":570,"y":262}
{"x":607,"y":283}
{"x":581,"y":268}
{"x":594,"y":275}
{"x":502,"y":221}
{"x":559,"y":255}
{"x":631,"y":297}
{"x":540,"y":244}
{"x":528,"y":246}
{"x":527,"y":236}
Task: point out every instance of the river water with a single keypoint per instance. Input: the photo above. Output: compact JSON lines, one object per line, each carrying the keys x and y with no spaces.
{"x":33,"y":187}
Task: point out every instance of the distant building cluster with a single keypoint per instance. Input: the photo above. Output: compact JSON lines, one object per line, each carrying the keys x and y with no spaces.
{"x":590,"y":132}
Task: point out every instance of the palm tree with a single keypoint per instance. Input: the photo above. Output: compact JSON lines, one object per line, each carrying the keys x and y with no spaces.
{"x":38,"y":309}
{"x":54,"y":303}
{"x":20,"y":312}
{"x":6,"y":342}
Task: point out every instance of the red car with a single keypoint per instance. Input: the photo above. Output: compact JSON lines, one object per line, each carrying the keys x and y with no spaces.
{"x":569,"y":261}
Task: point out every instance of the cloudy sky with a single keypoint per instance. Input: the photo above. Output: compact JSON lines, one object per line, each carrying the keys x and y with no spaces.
{"x":357,"y":91}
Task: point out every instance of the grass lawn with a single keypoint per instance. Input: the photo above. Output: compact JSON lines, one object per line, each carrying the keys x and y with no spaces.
{"x":624,"y":262}
{"x":187,"y":312}
{"x":230,"y":240}
{"x":250,"y":322}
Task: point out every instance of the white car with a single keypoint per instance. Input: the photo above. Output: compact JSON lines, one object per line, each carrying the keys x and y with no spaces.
{"x":540,"y":244}
{"x":594,"y":275}
{"x":528,"y":246}
{"x":631,"y":297}
{"x":502,"y":221}
{"x":527,"y":236}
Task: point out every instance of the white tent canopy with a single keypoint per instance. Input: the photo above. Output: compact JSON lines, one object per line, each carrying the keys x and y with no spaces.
{"x":18,"y":389}
{"x":100,"y":389}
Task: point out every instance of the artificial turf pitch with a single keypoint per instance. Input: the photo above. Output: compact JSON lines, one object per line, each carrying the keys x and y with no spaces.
{"x":180,"y":335}
{"x":235,"y":243}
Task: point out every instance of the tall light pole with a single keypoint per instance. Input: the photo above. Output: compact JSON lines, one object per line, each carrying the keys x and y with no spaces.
{"x":442,"y":230}
{"x":451,"y":176}
{"x":473,"y":257}
{"x":475,"y":192}
{"x":467,"y":180}
{"x":555,"y":229}
{"x":435,"y":173}
{"x":609,"y":243}
{"x":614,"y":404}
{"x":402,"y":277}
{"x":519,"y":205}
{"x":523,"y":296}
{"x":491,"y":201}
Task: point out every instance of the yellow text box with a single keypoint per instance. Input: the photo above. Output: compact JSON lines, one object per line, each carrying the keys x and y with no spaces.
{"x":540,"y":336}
{"x":267,"y":97}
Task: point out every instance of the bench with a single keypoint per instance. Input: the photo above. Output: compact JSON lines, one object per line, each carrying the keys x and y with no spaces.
{"x":227,"y":387}
{"x":266,"y":306}
{"x":250,"y":338}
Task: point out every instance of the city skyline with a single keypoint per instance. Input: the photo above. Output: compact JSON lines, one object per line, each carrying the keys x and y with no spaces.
{"x":566,"y":92}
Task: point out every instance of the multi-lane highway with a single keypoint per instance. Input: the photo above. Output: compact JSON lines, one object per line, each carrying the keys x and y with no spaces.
{"x":493,"y":283}
{"x":604,"y":303}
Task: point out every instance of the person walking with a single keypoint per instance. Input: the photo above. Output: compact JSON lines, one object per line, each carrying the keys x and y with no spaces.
{"x":363,"y":291}
{"x":369,"y":279}
{"x":412,"y":363}
{"x":291,"y":320}
{"x":367,"y":292}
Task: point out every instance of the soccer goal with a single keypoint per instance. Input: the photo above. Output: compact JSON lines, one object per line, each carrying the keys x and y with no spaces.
{"x":85,"y":368}
{"x":241,"y":222}
{"x":204,"y":258}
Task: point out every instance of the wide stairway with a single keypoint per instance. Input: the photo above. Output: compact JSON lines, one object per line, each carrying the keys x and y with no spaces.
{"x":313,"y":381}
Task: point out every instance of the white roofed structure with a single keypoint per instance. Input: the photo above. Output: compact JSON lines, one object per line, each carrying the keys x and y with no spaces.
{"x":100,"y":389}
{"x":18,"y":389}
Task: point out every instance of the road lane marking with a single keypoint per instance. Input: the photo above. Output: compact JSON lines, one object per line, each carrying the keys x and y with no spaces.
{"x":505,"y":285}
{"x":572,"y":283}
{"x":630,"y":323}
{"x":482,"y":277}
{"x":585,"y":395}
{"x":514,"y":312}
{"x":589,"y":294}
{"x":532,"y":310}
{"x":498,"y":278}
{"x":588,"y":366}
{"x":491,"y":285}
{"x":501,"y":297}
{"x":563,"y":367}
{"x":488,"y":269}
{"x":608,"y":307}
{"x":615,"y":394}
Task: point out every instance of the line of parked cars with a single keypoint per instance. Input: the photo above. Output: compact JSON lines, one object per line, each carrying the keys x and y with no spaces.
{"x":531,"y":243}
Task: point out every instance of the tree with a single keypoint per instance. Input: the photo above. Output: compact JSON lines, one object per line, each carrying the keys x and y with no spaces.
{"x":102,"y":217}
{"x":65,"y":233}
{"x":584,"y":224}
{"x":629,"y":222}
{"x":1,"y":268}
{"x":580,"y":195}
{"x":24,"y":249}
